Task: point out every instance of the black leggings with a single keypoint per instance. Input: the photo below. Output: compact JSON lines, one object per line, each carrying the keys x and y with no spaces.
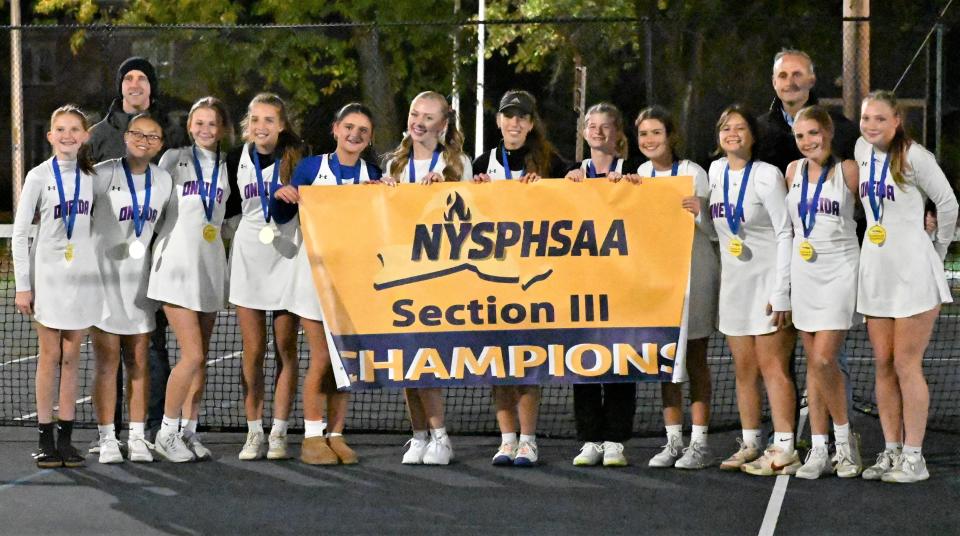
{"x":604,"y":411}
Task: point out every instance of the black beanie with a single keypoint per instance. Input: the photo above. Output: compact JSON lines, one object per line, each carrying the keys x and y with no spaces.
{"x":137,"y":63}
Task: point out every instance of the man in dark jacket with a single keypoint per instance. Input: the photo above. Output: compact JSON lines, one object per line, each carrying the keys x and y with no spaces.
{"x":793,"y":81}
{"x":138,"y":90}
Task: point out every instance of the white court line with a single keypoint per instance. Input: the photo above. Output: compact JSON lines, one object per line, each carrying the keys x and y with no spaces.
{"x":232,"y":355}
{"x":772,"y":515}
{"x":773,"y":507}
{"x":32,"y":357}
{"x":83,"y":400}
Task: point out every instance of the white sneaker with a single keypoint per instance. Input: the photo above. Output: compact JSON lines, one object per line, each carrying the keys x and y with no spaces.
{"x":847,"y":461}
{"x":885,"y":462}
{"x":696,"y":456}
{"x":277,"y":447}
{"x":816,"y":464}
{"x":908,"y":469}
{"x":254,"y":448}
{"x":172,"y":448}
{"x":613,"y":454}
{"x":438,"y":452}
{"x":590,"y":454}
{"x":526,"y":455}
{"x":192,"y":441}
{"x":138,"y":450}
{"x":110,"y":451}
{"x":506,"y":454}
{"x":669,"y":455}
{"x":415,"y":450}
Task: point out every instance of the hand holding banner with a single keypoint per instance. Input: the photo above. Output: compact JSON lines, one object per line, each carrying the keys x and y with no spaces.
{"x":502,"y":283}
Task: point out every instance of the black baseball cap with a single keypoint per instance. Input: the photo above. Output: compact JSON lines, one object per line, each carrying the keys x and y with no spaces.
{"x":522,"y":101}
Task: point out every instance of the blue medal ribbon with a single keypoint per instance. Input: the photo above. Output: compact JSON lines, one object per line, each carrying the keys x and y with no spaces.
{"x":674,"y":169}
{"x":592,"y":170}
{"x":68,"y":213}
{"x":412,"y":171}
{"x":733,"y":220}
{"x":140,"y":215}
{"x":337,"y":168}
{"x":506,"y":165}
{"x":274,"y":183}
{"x":877,"y":204}
{"x":208,"y":197}
{"x":811,"y":208}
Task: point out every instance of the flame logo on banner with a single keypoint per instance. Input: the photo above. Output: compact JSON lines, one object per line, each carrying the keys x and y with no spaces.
{"x":456,"y":208}
{"x":399,"y":269}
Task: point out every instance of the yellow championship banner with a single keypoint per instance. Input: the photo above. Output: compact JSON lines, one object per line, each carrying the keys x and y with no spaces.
{"x":502,"y":282}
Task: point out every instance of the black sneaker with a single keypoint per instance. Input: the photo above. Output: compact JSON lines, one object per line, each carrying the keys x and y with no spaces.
{"x":47,"y":458}
{"x":70,"y":455}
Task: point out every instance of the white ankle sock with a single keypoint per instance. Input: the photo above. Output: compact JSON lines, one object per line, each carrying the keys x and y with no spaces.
{"x":255,"y":426}
{"x":698,"y":434}
{"x":751,"y":438}
{"x":907,"y":449}
{"x":784,"y":440}
{"x":335,"y":434}
{"x":137,"y":429}
{"x":820,"y":440}
{"x":279,"y":427}
{"x":170,"y":425}
{"x":510,"y":437}
{"x":895,"y":445}
{"x":107,"y":431}
{"x":189,"y":425}
{"x":674,"y":432}
{"x":420,"y":435}
{"x":841,"y":432}
{"x":438,"y":433}
{"x":532,"y":438}
{"x":314,"y":428}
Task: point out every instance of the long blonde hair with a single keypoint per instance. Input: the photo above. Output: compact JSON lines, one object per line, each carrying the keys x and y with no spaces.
{"x":901,"y":140}
{"x":289,"y":144}
{"x":452,"y":143}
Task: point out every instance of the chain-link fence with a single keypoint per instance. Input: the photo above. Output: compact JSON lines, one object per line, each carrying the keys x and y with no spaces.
{"x":694,"y":64}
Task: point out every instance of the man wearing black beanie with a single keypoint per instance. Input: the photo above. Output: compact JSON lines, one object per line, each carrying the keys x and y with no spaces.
{"x":137,"y":91}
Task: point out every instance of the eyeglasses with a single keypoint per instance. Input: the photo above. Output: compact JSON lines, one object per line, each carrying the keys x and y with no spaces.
{"x":140,"y":136}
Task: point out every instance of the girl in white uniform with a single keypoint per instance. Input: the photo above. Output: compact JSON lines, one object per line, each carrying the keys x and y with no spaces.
{"x":353,"y":131}
{"x":604,"y":133}
{"x":432,"y":140}
{"x":823,"y":277}
{"x":131,"y":196}
{"x":262,"y":260}
{"x":658,"y":140}
{"x":603,"y":413}
{"x":62,"y":262}
{"x":901,"y":282}
{"x":523,"y":154}
{"x":748,"y":207}
{"x":189,"y":274}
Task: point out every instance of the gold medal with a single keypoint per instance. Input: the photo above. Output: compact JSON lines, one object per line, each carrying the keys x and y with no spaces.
{"x":877,"y":234}
{"x":735,"y":247}
{"x":806,"y":250}
{"x":209,"y":233}
{"x":68,"y":252}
